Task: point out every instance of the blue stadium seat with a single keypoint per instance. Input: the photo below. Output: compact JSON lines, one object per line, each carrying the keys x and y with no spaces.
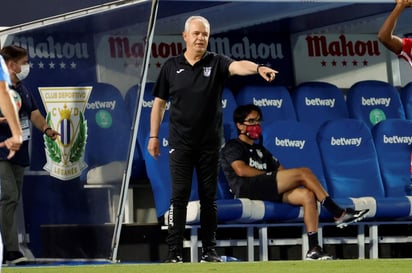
{"x":317,"y":102}
{"x":406,"y":98}
{"x":393,"y":142}
{"x":274,"y":101}
{"x":229,"y":105}
{"x":109,"y":131}
{"x":294,"y":144}
{"x":159,"y":173}
{"x":373,"y":101}
{"x":131,"y":101}
{"x":352,"y":169}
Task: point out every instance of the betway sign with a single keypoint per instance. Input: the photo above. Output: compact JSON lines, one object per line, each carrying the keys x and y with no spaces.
{"x":341,"y":59}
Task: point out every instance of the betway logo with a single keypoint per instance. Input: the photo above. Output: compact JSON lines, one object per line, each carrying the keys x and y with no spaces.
{"x":257,"y":165}
{"x":224,"y":103}
{"x":267,"y":102}
{"x":320,"y":102}
{"x":290,"y":143}
{"x":102,"y":105}
{"x":149,"y":104}
{"x":49,"y":49}
{"x":397,"y":139}
{"x":342,"y":141}
{"x":376,"y":101}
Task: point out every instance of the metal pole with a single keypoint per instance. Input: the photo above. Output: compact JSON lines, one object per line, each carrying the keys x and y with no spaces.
{"x":132,"y":145}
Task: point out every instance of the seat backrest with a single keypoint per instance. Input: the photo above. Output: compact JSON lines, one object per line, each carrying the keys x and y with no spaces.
{"x":393,"y":142}
{"x":317,"y":102}
{"x":109,"y":126}
{"x":349,"y":159}
{"x":229,"y":105}
{"x":406,"y":98}
{"x":294,"y":144}
{"x":274,"y":101}
{"x":131,"y":100}
{"x":373,"y":101}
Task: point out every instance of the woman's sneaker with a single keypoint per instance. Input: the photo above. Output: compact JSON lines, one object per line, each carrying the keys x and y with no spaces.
{"x":317,"y":253}
{"x":351,"y":216}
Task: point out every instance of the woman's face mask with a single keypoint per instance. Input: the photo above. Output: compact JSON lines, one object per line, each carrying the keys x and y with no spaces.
{"x":25,"y":70}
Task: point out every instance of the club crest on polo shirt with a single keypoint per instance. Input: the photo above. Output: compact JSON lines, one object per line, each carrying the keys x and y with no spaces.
{"x":207,"y":71}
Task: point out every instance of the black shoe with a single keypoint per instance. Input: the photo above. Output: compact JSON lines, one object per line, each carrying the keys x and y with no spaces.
{"x":351,"y":216}
{"x":210,"y":255}
{"x":14,"y":257}
{"x":173,"y":258}
{"x":317,"y":253}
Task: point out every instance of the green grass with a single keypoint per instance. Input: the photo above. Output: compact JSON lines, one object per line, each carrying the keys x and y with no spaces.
{"x":336,"y":266}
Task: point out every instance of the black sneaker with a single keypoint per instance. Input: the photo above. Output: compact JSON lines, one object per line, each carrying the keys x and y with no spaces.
{"x":210,"y":255}
{"x":173,"y":257}
{"x":14,"y":257}
{"x":317,"y":253}
{"x":351,"y":216}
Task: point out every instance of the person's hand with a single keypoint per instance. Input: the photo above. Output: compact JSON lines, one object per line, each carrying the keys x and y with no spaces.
{"x":154,"y":147}
{"x":267,"y":73}
{"x":13,"y":144}
{"x":404,"y":3}
{"x":51,"y":133}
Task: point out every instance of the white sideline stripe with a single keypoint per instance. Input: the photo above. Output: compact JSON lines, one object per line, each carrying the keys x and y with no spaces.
{"x":365,"y":203}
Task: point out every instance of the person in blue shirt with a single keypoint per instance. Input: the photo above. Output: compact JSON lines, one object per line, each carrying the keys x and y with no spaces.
{"x":12,"y":170}
{"x":9,"y":113}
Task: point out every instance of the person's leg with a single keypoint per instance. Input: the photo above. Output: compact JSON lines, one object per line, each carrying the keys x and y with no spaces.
{"x":10,"y":194}
{"x":181,"y":168}
{"x":207,"y":173}
{"x":296,"y":177}
{"x":304,"y":197}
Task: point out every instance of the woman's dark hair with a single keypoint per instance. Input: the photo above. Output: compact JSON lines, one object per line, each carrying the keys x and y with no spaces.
{"x":242,"y":111}
{"x":13,"y":53}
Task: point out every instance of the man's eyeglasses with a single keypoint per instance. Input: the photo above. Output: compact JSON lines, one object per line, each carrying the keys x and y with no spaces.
{"x":252,"y":121}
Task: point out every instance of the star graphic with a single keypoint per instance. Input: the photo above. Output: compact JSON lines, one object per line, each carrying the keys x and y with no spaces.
{"x":323,"y":63}
{"x":333,"y":63}
{"x":344,"y":63}
{"x":41,"y":65}
{"x":158,"y":64}
{"x":365,"y":62}
{"x":355,"y":63}
{"x":62,"y":65}
{"x":73,"y":65}
{"x":51,"y":65}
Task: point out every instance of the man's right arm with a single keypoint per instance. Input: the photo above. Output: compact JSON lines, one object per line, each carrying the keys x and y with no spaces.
{"x":243,"y":170}
{"x":156,"y":117}
{"x":10,"y":113}
{"x":385,"y":35}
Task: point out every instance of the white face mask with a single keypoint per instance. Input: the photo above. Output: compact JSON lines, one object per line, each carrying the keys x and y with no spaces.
{"x":25,"y":70}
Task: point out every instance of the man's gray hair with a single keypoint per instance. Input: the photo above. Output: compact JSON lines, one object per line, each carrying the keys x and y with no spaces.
{"x":201,"y":18}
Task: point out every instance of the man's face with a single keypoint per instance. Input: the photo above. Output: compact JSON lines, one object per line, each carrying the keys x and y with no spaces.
{"x":197,"y":37}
